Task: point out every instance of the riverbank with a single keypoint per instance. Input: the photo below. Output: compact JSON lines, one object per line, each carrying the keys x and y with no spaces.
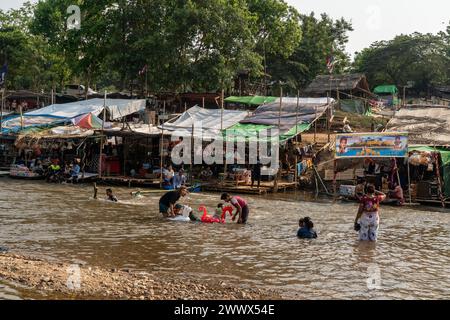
{"x":61,"y":281}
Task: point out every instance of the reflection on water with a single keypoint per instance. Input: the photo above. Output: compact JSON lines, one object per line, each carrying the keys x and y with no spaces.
{"x":411,"y":259}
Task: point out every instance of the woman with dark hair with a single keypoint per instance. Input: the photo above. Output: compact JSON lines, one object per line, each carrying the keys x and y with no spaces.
{"x":368,"y":219}
{"x":306,"y":230}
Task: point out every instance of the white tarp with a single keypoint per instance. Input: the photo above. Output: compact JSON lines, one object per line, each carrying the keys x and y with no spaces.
{"x":207,"y":122}
{"x":425,"y":125}
{"x":117,"y":108}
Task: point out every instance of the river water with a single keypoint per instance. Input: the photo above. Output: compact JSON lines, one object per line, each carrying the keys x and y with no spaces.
{"x":410,"y":261}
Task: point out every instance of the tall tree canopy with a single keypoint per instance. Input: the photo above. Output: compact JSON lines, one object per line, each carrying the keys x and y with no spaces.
{"x":321,"y":38}
{"x":419,"y":58}
{"x":188,"y":45}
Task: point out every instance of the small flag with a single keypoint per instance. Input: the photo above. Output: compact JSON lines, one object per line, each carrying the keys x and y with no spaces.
{"x":3,"y":72}
{"x":144,"y":70}
{"x":330,"y":63}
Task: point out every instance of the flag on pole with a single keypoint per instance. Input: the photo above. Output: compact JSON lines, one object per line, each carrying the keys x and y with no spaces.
{"x":330,"y":63}
{"x":144,"y":70}
{"x":3,"y":72}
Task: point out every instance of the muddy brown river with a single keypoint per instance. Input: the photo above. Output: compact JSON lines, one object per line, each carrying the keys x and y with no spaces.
{"x":62,"y":223}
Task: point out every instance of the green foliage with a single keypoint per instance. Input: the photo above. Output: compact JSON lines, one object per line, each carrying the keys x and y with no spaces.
{"x":421,"y":58}
{"x":188,"y":45}
{"x":321,"y":37}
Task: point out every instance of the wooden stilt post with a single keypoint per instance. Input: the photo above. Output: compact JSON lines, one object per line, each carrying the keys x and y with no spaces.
{"x":438,"y":175}
{"x":409,"y":181}
{"x":335,"y":180}
{"x":161,"y":156}
{"x":100,"y":169}
{"x":279,"y":135}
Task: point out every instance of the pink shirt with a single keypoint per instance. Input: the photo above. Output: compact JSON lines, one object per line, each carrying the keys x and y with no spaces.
{"x":238,"y":200}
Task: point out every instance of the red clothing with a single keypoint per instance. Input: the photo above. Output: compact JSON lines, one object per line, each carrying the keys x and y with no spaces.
{"x":371,"y":203}
{"x":238,"y":200}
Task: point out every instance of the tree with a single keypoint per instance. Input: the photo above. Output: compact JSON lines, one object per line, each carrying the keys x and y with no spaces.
{"x":421,"y":58}
{"x":321,"y":38}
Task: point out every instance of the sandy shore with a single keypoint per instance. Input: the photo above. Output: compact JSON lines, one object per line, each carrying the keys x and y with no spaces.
{"x":64,"y":281}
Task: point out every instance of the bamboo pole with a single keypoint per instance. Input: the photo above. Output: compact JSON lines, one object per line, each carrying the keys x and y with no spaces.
{"x":203,"y":102}
{"x":296,"y":138}
{"x":335,"y":180}
{"x":409,"y":180}
{"x":21,"y":116}
{"x":438,"y":175}
{"x":279,"y":132}
{"x":100,"y":169}
{"x":1,"y":110}
{"x":222,"y":98}
{"x":161,"y":153}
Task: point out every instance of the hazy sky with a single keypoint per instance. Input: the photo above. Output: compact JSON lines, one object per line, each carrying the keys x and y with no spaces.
{"x":372,"y":19}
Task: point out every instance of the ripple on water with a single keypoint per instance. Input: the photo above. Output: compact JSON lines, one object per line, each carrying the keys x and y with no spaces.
{"x":62,"y":222}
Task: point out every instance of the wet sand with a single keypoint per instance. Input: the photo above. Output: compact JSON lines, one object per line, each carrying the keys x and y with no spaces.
{"x":64,"y":281}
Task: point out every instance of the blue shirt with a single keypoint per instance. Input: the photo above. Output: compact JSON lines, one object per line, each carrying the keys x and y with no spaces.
{"x":178,"y":181}
{"x":306,"y":233}
{"x":76,"y":170}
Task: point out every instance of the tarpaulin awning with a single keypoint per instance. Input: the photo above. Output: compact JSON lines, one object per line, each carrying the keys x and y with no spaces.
{"x":59,"y":114}
{"x":90,"y":121}
{"x":386,"y":89}
{"x":16,"y":123}
{"x":117,"y":108}
{"x":251,"y":100}
{"x":305,"y":112}
{"x":208,"y":122}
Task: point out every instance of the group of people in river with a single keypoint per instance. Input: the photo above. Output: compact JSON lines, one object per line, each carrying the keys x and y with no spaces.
{"x":366,"y":222}
{"x":170,"y":208}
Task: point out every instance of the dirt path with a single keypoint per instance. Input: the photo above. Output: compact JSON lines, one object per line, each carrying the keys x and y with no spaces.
{"x":65,"y":281}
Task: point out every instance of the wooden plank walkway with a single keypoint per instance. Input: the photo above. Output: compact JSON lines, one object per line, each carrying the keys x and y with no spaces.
{"x":266,"y":187}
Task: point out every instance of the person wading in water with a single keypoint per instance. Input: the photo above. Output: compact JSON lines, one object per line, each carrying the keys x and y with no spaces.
{"x":368,"y":218}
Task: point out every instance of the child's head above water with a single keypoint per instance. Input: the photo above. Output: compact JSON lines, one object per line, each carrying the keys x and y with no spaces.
{"x":220,"y":205}
{"x":109,"y":192}
{"x":306,"y":223}
{"x":301,"y":223}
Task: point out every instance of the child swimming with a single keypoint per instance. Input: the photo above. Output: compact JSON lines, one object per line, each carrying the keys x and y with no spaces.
{"x":306,"y":229}
{"x":110,"y":196}
{"x":219,"y":211}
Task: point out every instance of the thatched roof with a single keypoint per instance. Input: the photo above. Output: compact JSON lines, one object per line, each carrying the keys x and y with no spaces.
{"x":344,"y":82}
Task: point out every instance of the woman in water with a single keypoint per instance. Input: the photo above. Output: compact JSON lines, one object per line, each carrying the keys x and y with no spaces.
{"x":368,"y":219}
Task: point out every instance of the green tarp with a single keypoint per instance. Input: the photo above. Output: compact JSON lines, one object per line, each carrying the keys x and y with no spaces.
{"x":251,"y":100}
{"x":386,"y":89}
{"x":445,"y":156}
{"x":251,"y":131}
{"x":355,"y":106}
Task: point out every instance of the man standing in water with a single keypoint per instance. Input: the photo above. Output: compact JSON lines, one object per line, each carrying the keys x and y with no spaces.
{"x":368,"y":219}
{"x":169,"y":200}
{"x":241,"y":207}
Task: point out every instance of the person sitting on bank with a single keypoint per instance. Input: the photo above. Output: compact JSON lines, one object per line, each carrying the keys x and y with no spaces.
{"x":75,"y":171}
{"x":396,"y":193}
{"x":179,"y":179}
{"x":241,"y":206}
{"x":206,"y":174}
{"x":54,"y":171}
{"x":347,"y":128}
{"x":306,"y":229}
{"x":110,"y":196}
{"x":169,"y":200}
